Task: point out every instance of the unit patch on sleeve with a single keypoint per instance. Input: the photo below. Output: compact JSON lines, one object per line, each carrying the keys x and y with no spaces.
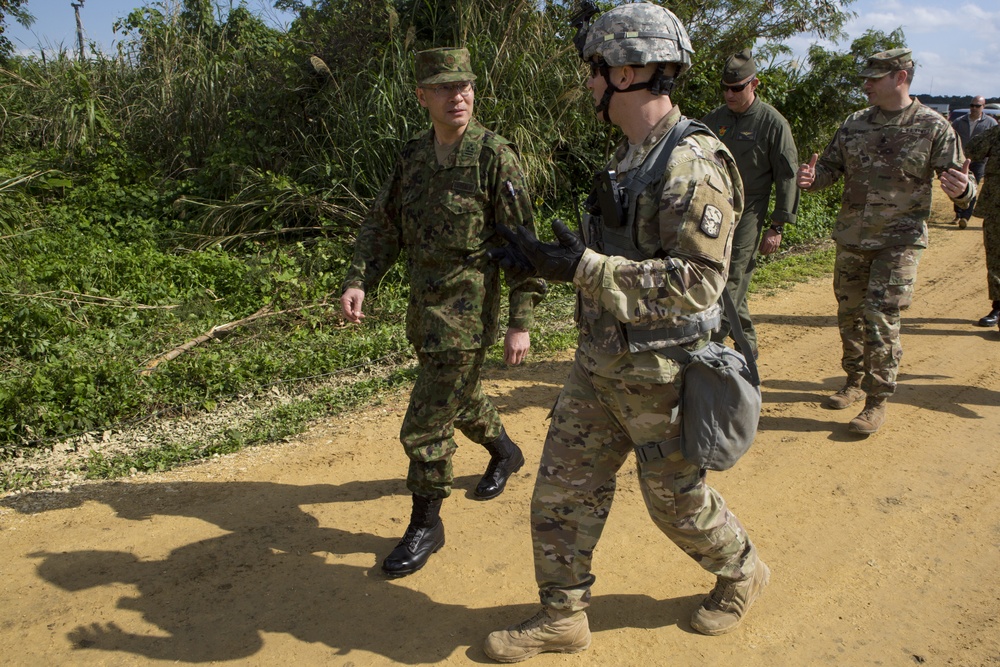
{"x":711,"y":221}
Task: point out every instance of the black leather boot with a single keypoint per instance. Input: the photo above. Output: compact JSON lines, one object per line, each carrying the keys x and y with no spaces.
{"x":991,"y":318}
{"x":506,"y":460}
{"x":424,"y":536}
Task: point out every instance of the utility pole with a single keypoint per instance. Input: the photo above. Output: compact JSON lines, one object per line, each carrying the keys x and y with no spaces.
{"x":79,"y":28}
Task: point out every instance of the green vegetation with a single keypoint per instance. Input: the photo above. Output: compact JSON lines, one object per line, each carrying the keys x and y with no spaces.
{"x":215,"y":171}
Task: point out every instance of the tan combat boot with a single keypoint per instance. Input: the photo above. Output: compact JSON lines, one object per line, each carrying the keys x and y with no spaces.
{"x":871,"y":418}
{"x":547,"y":631}
{"x":729,"y":602}
{"x":848,"y":396}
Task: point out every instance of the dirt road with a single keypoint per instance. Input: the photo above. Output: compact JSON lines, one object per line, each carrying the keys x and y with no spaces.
{"x":884,"y":551}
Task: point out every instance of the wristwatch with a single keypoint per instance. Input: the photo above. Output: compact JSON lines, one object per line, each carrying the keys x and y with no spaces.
{"x":778,"y":228}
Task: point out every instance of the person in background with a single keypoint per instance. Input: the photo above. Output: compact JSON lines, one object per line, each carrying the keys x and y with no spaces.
{"x":967,"y":128}
{"x":984,"y":146}
{"x":888,"y":155}
{"x":760,"y":140}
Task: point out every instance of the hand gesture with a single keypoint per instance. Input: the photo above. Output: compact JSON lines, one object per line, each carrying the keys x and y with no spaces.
{"x":807,"y":173}
{"x":954,"y":182}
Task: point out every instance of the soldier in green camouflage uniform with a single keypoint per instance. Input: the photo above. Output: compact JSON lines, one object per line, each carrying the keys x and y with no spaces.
{"x":983,"y":146}
{"x":644,"y":289}
{"x":450,"y":188}
{"x":888,"y":155}
{"x":760,"y":140}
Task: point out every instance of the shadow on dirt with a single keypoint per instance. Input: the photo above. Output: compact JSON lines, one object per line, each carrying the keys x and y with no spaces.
{"x":276,"y":570}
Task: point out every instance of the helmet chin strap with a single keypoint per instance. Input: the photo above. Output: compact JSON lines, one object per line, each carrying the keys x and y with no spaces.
{"x":657,"y":85}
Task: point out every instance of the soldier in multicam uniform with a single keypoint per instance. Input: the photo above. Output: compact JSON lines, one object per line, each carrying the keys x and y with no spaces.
{"x":888,"y":155}
{"x":645,"y":288}
{"x":449,"y":189}
{"x":761,"y":141}
{"x":983,"y":146}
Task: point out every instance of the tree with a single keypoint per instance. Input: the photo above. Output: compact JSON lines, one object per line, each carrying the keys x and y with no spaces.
{"x":14,"y":8}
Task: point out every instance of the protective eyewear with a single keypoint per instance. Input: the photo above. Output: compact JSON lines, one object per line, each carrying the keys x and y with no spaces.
{"x":738,"y":88}
{"x":975,"y":106}
{"x":463,"y":88}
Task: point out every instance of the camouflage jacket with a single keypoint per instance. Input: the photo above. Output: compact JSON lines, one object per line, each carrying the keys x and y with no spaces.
{"x":684,"y":228}
{"x":443,"y":217}
{"x":983,"y":146}
{"x":889,"y":167}
{"x":760,"y":140}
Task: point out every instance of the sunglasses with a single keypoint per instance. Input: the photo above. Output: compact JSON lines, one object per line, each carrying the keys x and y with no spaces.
{"x":737,"y":88}
{"x":975,"y":105}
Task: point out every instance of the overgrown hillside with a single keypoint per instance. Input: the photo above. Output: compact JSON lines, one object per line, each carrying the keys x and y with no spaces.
{"x":175,"y":218}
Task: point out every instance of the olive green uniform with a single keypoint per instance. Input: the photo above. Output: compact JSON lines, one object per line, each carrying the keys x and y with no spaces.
{"x":760,"y":140}
{"x":443,"y":216}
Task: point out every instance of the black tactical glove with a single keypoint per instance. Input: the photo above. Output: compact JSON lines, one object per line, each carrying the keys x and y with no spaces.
{"x":512,"y":260}
{"x":551,"y":261}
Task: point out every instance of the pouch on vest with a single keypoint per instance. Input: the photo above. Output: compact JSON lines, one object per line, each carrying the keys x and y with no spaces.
{"x":720,"y":401}
{"x":720,"y":408}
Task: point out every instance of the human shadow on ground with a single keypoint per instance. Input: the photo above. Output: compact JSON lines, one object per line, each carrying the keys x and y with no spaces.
{"x":276,"y":570}
{"x":953,"y":399}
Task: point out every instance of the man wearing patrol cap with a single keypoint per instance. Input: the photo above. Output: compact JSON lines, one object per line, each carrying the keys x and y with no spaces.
{"x":888,"y":155}
{"x":648,"y":279}
{"x":450,"y":187}
{"x":760,"y":140}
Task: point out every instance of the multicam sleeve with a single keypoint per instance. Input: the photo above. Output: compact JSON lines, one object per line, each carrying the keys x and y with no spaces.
{"x":380,"y":238}
{"x":696,"y":219}
{"x":947,"y":154}
{"x":512,"y":207}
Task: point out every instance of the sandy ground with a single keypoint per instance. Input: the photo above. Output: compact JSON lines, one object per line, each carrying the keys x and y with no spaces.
{"x":884,"y":550}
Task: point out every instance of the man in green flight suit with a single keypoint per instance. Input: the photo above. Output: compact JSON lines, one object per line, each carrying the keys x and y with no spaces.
{"x":648,"y":277}
{"x":449,"y":189}
{"x":761,"y":141}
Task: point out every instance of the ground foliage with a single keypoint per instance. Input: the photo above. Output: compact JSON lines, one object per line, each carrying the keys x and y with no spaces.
{"x":213,"y":167}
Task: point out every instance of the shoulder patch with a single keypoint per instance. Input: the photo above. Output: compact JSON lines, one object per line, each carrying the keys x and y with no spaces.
{"x":711,"y":221}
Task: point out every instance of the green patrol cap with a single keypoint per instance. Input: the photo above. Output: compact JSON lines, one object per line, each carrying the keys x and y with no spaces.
{"x":444,"y":65}
{"x":739,"y":67}
{"x":885,"y":62}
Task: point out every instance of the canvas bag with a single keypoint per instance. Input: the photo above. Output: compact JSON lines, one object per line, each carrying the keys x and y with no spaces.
{"x":720,"y":401}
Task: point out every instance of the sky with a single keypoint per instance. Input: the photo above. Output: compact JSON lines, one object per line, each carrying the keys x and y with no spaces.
{"x":955,"y":43}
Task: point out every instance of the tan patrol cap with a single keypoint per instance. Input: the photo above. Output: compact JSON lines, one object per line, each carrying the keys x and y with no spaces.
{"x":445,"y":65}
{"x":885,"y":62}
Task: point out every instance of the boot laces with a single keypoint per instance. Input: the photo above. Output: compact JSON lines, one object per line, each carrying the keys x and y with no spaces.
{"x":723,"y":594}
{"x":535,"y":621}
{"x":411,"y":537}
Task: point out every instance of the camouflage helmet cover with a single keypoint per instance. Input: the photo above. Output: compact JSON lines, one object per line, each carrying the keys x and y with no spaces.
{"x":638,"y":34}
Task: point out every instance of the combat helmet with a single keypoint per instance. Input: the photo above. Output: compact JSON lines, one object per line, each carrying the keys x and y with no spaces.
{"x":633,"y":34}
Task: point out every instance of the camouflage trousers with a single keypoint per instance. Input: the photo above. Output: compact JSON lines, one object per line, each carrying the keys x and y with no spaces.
{"x":743,"y":261}
{"x":872,"y":288}
{"x":447,"y":394}
{"x":596,"y":422}
{"x":991,"y":241}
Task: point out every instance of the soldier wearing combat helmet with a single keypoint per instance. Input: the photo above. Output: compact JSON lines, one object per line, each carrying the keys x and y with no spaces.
{"x":648,"y":279}
{"x":450,"y":188}
{"x":888,"y":155}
